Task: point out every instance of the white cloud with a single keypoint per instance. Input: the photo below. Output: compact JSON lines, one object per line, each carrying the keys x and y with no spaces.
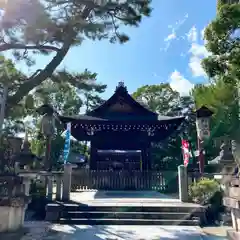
{"x":196,"y":67}
{"x":173,"y":35}
{"x":182,"y":21}
{"x":199,"y":50}
{"x":170,"y":36}
{"x":192,"y":35}
{"x":169,"y":39}
{"x":197,"y":53}
{"x":180,"y":83}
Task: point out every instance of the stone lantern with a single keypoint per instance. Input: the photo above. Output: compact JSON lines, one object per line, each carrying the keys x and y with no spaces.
{"x":25,"y":158}
{"x":203,"y":116}
{"x":236,"y":153}
{"x":224,"y":162}
{"x":47,"y":129}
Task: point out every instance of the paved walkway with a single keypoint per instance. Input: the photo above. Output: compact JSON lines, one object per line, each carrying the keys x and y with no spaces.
{"x":128,"y":198}
{"x":46,"y":231}
{"x":95,"y":195}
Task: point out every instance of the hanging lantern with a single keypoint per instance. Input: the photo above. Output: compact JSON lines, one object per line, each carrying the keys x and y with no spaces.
{"x":203,"y":116}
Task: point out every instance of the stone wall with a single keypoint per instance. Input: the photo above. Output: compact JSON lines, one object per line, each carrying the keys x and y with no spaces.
{"x":11,"y":218}
{"x":13,"y":202}
{"x":232,"y":201}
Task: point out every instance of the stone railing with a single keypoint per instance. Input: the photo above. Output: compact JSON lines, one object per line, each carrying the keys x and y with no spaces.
{"x":52,"y":181}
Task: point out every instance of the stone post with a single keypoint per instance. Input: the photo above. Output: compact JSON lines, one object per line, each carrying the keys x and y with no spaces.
{"x":67,"y":176}
{"x":49,"y":187}
{"x":58,"y":187}
{"x":27,"y":184}
{"x":17,"y":167}
{"x":183,"y":183}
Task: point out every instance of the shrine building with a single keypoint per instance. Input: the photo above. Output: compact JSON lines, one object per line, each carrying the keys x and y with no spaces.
{"x":121,"y":132}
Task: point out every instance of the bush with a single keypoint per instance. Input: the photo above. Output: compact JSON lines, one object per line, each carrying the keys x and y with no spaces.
{"x":208,"y":192}
{"x":203,"y":190}
{"x":39,"y":200}
{"x":37,"y":189}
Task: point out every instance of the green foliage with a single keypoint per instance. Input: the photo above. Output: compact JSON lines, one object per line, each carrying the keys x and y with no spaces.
{"x":67,"y":100}
{"x":221,"y":3}
{"x":224,"y":44}
{"x":158,"y":98}
{"x":56,"y":150}
{"x":222,"y":66}
{"x":163,"y":100}
{"x":37,"y":189}
{"x":44,"y":27}
{"x":220,"y":97}
{"x":38,"y":147}
{"x":67,"y":92}
{"x":203,"y":190}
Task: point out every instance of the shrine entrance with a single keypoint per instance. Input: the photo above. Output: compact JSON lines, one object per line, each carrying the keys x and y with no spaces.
{"x":119,"y":160}
{"x":121,"y":132}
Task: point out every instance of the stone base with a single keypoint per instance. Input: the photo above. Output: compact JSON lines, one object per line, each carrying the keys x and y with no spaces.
{"x":53,"y":211}
{"x":233,"y":235}
{"x":11,"y":218}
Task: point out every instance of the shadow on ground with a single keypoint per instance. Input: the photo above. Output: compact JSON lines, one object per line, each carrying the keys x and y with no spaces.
{"x":132,"y":194}
{"x":14,"y":235}
{"x":44,"y":231}
{"x":126,"y":233}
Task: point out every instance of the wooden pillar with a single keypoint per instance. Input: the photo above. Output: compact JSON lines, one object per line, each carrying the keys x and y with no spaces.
{"x":148,"y":156}
{"x":149,"y":163}
{"x":93,"y":156}
{"x":144,"y":159}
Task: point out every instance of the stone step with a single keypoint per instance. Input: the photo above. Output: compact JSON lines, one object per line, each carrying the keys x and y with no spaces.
{"x":103,"y":208}
{"x":82,"y":221}
{"x":126,"y":215}
{"x":133,"y":215}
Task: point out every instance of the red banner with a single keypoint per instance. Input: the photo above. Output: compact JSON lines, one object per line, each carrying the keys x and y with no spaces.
{"x":186,"y":153}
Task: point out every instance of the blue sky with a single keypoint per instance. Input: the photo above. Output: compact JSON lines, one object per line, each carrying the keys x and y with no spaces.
{"x":167,"y":47}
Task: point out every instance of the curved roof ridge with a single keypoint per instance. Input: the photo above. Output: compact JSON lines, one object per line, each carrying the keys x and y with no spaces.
{"x":121,"y":92}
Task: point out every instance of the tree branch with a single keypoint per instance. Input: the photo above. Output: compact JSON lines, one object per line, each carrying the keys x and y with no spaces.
{"x":10,"y":46}
{"x":37,"y":79}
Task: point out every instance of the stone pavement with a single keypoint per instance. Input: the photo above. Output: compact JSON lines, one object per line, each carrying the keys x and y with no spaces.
{"x":95,"y":195}
{"x":127,"y":198}
{"x":47,"y":231}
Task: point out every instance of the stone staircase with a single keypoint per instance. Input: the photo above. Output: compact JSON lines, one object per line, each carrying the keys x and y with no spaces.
{"x":168,"y":214}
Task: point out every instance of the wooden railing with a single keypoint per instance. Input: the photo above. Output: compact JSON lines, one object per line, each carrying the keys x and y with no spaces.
{"x":83,"y":179}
